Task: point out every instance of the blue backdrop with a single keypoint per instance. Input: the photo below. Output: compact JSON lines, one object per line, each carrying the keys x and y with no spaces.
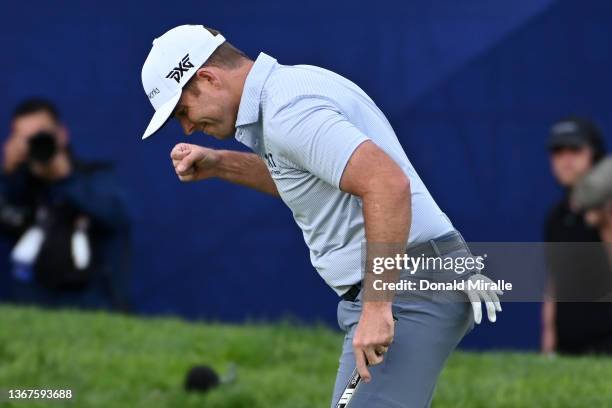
{"x":471,"y":88}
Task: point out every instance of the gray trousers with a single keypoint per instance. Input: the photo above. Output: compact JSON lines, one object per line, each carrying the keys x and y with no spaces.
{"x":426,"y":332}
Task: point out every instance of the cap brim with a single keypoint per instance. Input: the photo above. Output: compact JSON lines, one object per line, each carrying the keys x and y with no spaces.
{"x":570,"y":141}
{"x":161,"y":116}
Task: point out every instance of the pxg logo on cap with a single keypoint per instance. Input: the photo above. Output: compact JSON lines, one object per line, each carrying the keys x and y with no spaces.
{"x":172,"y":61}
{"x":178,"y":71}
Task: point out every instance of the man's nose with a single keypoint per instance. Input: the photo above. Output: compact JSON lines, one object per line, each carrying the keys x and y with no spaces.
{"x":187,"y":126}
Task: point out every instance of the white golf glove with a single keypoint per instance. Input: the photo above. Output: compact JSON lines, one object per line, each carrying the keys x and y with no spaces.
{"x":488,"y":296}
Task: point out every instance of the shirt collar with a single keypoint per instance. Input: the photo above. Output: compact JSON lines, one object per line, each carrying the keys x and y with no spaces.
{"x":248,"y":111}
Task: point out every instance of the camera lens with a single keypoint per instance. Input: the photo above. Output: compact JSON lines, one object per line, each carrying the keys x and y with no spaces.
{"x":42,"y":147}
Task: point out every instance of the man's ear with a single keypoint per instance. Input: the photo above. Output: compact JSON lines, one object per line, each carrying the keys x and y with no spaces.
{"x":210,"y":75}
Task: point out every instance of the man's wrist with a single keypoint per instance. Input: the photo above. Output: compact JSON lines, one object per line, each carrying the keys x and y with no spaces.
{"x":220,"y":168}
{"x":377,"y":306}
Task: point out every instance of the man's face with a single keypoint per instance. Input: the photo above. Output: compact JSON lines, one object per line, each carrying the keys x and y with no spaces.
{"x":569,"y":164}
{"x":28,"y":125}
{"x":209,"y":105}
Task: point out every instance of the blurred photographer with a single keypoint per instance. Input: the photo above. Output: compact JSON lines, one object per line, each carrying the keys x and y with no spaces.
{"x":577,"y":265}
{"x":65,"y":218}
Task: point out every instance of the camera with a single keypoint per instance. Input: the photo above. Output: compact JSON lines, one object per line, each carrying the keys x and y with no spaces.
{"x":42,"y":147}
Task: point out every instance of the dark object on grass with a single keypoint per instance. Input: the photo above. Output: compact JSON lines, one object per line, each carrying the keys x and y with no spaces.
{"x":201,"y":379}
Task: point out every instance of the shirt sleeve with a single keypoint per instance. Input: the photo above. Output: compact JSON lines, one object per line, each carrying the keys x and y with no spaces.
{"x":313,"y":134}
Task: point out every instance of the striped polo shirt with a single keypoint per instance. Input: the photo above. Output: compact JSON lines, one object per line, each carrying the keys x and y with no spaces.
{"x":305,"y":122}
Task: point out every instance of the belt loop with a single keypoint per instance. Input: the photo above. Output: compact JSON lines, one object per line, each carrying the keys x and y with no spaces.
{"x":435,"y":247}
{"x":465,"y":243}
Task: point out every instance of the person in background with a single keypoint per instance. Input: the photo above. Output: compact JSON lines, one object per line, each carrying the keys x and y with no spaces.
{"x":65,"y":219}
{"x":571,"y":327}
{"x":593,"y":196}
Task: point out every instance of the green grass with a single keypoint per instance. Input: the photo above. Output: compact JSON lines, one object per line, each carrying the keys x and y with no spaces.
{"x":116,"y":361}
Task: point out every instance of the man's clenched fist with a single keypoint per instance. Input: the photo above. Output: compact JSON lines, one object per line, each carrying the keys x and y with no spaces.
{"x":192,"y":162}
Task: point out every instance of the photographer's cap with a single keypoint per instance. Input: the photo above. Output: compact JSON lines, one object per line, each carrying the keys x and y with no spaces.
{"x":573,"y":133}
{"x":173,"y":60}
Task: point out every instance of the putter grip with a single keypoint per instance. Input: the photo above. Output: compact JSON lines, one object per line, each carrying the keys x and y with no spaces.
{"x":349,"y":390}
{"x":352,"y":385}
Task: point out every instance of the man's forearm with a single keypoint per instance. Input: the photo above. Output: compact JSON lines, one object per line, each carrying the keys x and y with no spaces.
{"x":246,"y":169}
{"x":387,"y":217}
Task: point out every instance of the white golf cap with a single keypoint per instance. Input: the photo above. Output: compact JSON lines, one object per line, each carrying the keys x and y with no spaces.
{"x":172,"y":61}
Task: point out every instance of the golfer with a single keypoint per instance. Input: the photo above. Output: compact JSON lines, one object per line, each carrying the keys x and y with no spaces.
{"x":321,"y":145}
